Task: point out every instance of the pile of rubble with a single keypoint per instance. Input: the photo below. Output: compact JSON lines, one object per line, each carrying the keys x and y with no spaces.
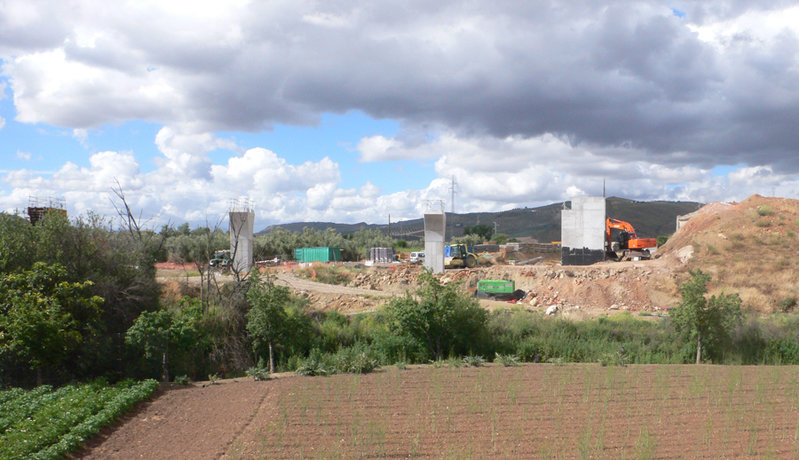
{"x":395,"y":278}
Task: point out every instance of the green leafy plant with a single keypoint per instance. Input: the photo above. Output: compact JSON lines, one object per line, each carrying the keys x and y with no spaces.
{"x":314,"y":365}
{"x":787,"y":304}
{"x":182,"y":379}
{"x":48,"y":424}
{"x":474,"y":360}
{"x":508,"y":360}
{"x":764,"y":210}
{"x":258,"y":373}
{"x":213,"y":378}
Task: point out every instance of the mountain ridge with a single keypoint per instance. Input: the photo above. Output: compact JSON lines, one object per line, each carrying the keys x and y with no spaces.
{"x":650,"y":219}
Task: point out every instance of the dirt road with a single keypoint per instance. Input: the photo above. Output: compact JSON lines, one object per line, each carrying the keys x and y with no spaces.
{"x":301,"y":284}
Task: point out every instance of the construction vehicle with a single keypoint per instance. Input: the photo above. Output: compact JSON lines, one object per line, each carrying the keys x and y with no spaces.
{"x":622,"y":243}
{"x":459,"y":256}
{"x":221,"y":259}
{"x":498,"y":290}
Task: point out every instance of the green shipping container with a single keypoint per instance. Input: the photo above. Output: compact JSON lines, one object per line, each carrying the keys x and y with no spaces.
{"x":496,"y":286}
{"x":323,"y":254}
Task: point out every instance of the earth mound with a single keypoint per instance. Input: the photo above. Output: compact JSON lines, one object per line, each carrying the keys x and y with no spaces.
{"x":747,"y":247}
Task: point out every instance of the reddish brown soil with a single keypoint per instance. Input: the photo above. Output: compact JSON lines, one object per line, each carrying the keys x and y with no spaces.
{"x":183,"y":422}
{"x":531,"y":411}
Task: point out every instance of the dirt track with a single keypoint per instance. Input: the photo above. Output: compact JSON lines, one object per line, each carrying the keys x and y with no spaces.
{"x":301,"y":284}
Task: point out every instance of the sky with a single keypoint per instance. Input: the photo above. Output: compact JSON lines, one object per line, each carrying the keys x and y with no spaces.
{"x":354,"y":111}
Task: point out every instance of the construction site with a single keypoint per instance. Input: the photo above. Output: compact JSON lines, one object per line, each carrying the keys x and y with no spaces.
{"x":601,"y":265}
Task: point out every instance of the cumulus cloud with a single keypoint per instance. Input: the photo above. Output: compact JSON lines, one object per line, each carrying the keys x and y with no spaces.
{"x":720,"y":81}
{"x":522,"y":104}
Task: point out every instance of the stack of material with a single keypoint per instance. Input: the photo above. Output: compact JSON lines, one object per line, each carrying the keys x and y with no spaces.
{"x":381,"y":255}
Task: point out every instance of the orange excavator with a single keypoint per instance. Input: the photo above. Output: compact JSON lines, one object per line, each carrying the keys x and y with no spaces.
{"x":622,"y":243}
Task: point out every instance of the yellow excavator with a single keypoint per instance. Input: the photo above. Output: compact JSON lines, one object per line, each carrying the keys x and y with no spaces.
{"x":459,"y":256}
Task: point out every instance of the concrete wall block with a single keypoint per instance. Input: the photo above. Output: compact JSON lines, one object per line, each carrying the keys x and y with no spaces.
{"x":583,"y":228}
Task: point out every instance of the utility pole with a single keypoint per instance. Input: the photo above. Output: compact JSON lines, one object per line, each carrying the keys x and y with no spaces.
{"x":389,"y":225}
{"x":452,"y":189}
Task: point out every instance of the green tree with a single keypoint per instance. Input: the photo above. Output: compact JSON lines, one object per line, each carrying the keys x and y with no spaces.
{"x":267,"y":319}
{"x":482,"y":230}
{"x":500,"y":238}
{"x":44,"y":318}
{"x":163,"y":333}
{"x":708,"y":321}
{"x":442,"y":318}
{"x":16,"y":243}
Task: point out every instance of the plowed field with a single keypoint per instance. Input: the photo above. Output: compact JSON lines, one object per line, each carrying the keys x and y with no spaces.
{"x":531,"y":411}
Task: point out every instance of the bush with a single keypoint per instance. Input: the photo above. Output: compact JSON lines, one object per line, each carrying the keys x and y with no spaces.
{"x":764,"y":210}
{"x":314,"y":365}
{"x":327,"y":274}
{"x":442,"y":319}
{"x":787,"y":304}
{"x":358,"y":359}
{"x":474,"y":360}
{"x":259,"y":373}
{"x":507,"y":360}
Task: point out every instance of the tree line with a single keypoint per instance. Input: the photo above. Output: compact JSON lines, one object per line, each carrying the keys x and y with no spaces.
{"x":79,"y":299}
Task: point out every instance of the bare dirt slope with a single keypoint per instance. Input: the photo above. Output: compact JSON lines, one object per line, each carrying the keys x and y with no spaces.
{"x":195,"y":421}
{"x":748,"y":248}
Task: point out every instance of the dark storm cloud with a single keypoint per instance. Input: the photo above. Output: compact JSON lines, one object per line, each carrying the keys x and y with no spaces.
{"x":632,"y":78}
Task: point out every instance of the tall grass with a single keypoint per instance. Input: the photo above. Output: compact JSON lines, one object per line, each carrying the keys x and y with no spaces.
{"x":534,"y":337}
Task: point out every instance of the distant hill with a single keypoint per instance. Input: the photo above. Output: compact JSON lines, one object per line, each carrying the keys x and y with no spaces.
{"x":650,"y":219}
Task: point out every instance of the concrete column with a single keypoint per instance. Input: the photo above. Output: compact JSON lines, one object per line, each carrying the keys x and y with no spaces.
{"x":241,"y":240}
{"x":435,"y":223}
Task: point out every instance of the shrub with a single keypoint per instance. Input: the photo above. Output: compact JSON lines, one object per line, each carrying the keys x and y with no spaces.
{"x":614,"y":359}
{"x":507,"y":360}
{"x":258,"y":373}
{"x":787,"y":304}
{"x":764,"y":210}
{"x":182,"y":379}
{"x":442,"y":318}
{"x":314,"y":365}
{"x":358,"y":359}
{"x":474,"y":360}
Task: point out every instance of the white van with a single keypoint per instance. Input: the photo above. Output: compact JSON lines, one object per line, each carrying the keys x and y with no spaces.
{"x":417,"y":257}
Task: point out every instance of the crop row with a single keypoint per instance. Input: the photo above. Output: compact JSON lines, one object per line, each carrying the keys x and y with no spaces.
{"x":46,"y":423}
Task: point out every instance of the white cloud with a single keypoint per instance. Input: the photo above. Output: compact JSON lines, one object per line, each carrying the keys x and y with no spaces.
{"x":23,"y":155}
{"x":523,"y":104}
{"x":701,"y":84}
{"x":2,"y":122}
{"x":80,"y":135}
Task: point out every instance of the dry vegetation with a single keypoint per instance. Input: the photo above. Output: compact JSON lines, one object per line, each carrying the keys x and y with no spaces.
{"x":748,"y":248}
